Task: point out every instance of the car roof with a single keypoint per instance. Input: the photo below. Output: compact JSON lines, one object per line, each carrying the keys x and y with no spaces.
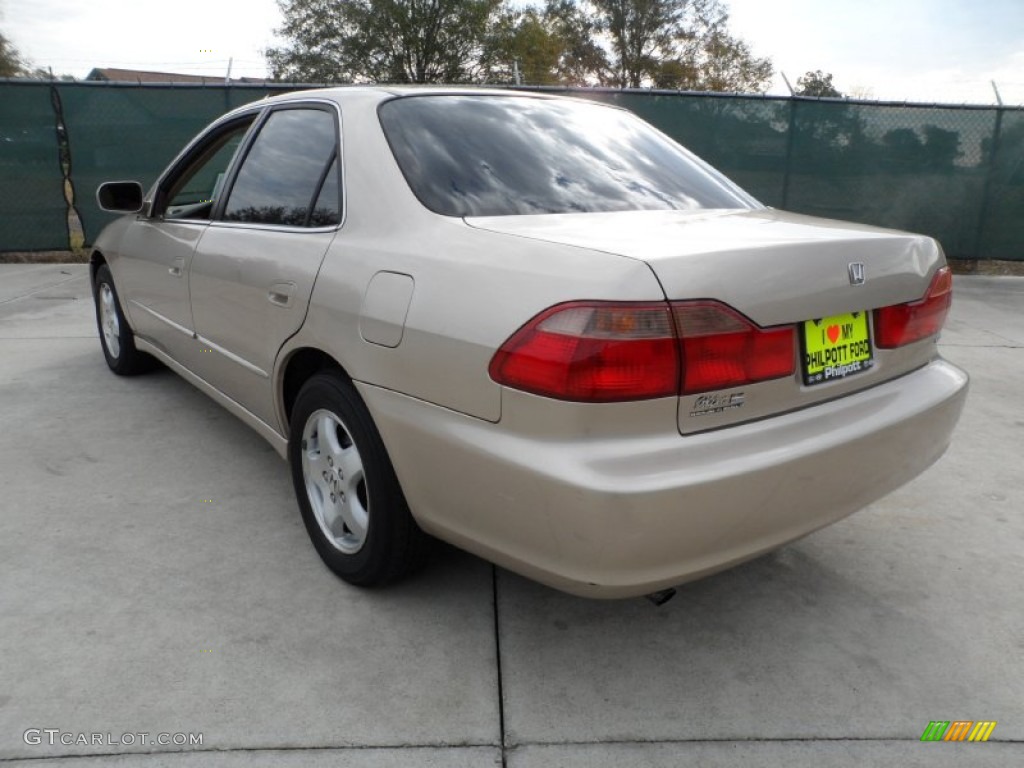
{"x":369,"y":96}
{"x":343,"y":93}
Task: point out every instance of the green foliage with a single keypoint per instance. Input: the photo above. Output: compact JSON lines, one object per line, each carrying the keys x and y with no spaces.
{"x":583,"y":61}
{"x":681,"y":44}
{"x":399,"y":41}
{"x":725,"y":63}
{"x":817,"y":83}
{"x":525,"y":42}
{"x":644,"y":33}
{"x":11,"y":63}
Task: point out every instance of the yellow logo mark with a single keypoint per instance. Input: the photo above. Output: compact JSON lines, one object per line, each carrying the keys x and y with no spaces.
{"x":982,"y":730}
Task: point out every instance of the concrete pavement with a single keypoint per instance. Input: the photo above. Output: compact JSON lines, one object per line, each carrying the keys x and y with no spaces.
{"x":155,"y":577}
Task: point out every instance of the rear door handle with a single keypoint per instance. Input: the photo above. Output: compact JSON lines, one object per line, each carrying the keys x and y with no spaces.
{"x":280,"y":294}
{"x":177,"y":267}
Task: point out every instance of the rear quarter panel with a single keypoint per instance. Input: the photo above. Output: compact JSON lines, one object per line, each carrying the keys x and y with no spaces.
{"x":472,"y":289}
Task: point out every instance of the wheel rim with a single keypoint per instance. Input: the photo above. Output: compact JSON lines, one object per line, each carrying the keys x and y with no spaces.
{"x":109,"y":325}
{"x":335,"y":481}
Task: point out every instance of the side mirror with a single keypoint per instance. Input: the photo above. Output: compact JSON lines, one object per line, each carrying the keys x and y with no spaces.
{"x":120,"y":196}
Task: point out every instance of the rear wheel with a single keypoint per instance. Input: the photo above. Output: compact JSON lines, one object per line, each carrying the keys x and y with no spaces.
{"x":116,"y":337}
{"x":351,"y":502}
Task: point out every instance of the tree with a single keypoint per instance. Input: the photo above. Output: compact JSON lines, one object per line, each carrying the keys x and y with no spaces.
{"x":523,"y":42}
{"x":11,"y":63}
{"x":682,"y":44}
{"x":642,"y":32}
{"x":403,"y":41}
{"x":582,"y":61}
{"x":718,"y":62}
{"x":817,"y":83}
{"x":725,"y":63}
{"x":669,"y":43}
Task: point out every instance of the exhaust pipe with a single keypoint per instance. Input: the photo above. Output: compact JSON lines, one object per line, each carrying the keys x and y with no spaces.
{"x":661,"y":597}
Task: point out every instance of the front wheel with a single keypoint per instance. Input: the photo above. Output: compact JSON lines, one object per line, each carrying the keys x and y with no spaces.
{"x":351,"y":502}
{"x":116,"y":337}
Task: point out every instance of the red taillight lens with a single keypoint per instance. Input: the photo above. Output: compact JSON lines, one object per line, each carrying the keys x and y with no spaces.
{"x":721,"y":348}
{"x":608,"y":352}
{"x":593,"y":352}
{"x":903,"y":324}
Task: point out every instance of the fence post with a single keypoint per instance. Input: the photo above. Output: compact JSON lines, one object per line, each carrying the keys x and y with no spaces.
{"x":986,"y":190}
{"x":789,"y":153}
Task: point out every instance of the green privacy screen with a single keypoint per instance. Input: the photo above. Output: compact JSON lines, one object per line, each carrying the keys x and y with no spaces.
{"x":956,"y":173}
{"x":59,"y":141}
{"x":120,"y":133}
{"x":33,"y":214}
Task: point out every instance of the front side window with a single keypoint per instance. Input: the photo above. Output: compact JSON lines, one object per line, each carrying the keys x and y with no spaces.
{"x":193,"y":192}
{"x":290,"y":175}
{"x":502,"y":155}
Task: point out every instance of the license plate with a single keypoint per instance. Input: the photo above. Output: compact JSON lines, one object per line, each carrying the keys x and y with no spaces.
{"x":836,"y":347}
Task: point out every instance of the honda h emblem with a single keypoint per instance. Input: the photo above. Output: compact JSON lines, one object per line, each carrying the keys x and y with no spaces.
{"x":856,"y":273}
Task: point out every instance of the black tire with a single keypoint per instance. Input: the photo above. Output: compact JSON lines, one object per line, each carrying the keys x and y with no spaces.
{"x":122,"y":357}
{"x":390,"y":545}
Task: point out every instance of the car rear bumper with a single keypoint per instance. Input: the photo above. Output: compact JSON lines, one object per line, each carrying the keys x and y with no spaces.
{"x":603,"y":517}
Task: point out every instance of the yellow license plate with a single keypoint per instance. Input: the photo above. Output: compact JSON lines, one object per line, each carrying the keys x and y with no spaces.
{"x":836,"y":347}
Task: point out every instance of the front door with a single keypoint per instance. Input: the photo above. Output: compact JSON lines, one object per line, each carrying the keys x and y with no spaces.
{"x":163,"y":244}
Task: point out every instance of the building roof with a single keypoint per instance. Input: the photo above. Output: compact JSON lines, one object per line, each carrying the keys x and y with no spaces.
{"x":115,"y":75}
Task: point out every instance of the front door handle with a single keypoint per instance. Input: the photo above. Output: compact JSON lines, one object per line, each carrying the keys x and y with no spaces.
{"x":176,"y":268}
{"x":280,"y":294}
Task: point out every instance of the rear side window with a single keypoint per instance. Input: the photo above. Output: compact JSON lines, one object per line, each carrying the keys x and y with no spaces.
{"x":478,"y":155}
{"x":290,"y":175}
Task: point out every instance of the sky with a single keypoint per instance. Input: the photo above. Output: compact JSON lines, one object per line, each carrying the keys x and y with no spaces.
{"x":916,"y":50}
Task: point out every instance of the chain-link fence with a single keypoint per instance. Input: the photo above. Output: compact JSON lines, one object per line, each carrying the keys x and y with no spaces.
{"x":953,"y":172}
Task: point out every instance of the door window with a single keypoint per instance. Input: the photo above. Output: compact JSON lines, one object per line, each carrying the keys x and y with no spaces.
{"x":193,"y":193}
{"x":290,"y":176}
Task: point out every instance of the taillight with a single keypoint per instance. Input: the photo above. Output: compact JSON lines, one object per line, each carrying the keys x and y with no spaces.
{"x":608,"y":351}
{"x":721,"y":348}
{"x":593,"y":352}
{"x":903,"y":324}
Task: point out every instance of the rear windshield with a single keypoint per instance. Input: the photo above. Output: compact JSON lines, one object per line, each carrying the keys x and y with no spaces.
{"x":504,"y":155}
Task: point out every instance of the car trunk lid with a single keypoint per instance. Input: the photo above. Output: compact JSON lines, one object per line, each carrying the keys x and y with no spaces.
{"x":774,"y":267}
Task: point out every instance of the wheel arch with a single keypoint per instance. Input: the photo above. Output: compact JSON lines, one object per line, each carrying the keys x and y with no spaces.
{"x":96,"y":260}
{"x":297,"y":368}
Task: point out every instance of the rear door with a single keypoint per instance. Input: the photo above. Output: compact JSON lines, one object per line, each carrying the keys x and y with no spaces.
{"x":253,"y":272}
